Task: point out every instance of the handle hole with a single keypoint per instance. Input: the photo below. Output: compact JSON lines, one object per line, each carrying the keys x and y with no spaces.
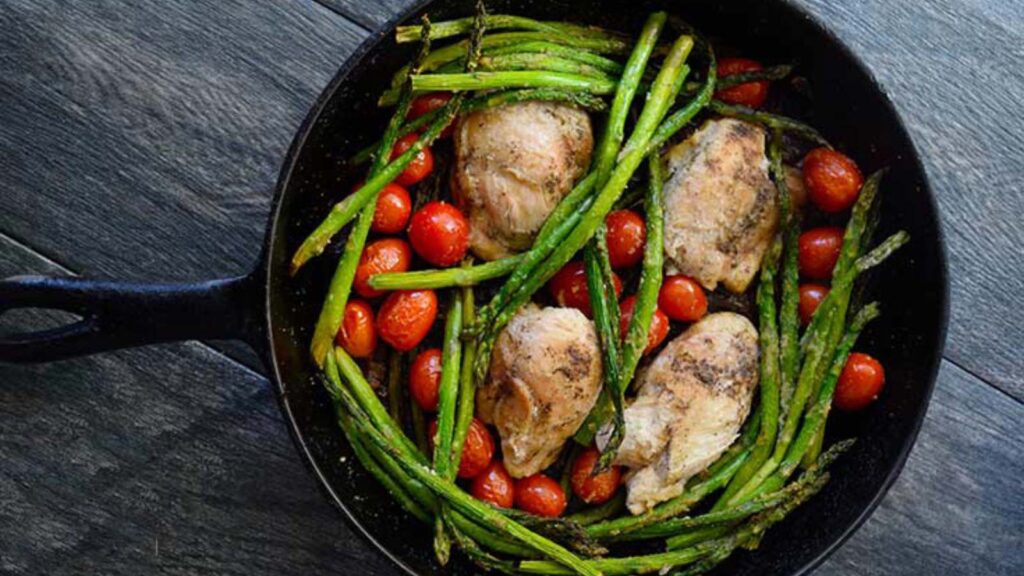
{"x":20,"y":321}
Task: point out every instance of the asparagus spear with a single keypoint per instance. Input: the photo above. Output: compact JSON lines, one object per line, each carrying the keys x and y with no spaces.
{"x":448,"y":389}
{"x":789,"y":319}
{"x":769,"y":382}
{"x":536,"y":61}
{"x":511,"y":79}
{"x":462,"y":26}
{"x":445,"y":277}
{"x":772,"y":121}
{"x":543,"y":47}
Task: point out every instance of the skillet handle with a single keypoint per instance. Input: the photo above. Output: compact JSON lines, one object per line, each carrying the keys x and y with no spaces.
{"x":122,"y":314}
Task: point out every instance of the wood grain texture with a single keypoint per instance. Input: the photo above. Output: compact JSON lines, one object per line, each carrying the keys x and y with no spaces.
{"x":955,"y":71}
{"x":368,"y":14}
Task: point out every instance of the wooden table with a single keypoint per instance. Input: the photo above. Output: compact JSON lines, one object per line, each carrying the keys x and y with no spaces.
{"x":141,"y":140}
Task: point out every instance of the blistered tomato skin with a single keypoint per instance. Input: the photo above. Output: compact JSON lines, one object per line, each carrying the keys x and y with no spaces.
{"x":569,"y":288}
{"x":425,"y":378}
{"x":394,"y":205}
{"x":659,"y":324}
{"x":420,"y":167}
{"x":494,"y":485}
{"x":752,"y":94}
{"x":385,"y":255}
{"x":682,"y":299}
{"x":832,"y":179}
{"x":405,"y":318}
{"x":626,"y":235}
{"x":439,"y":233}
{"x":357,"y":334}
{"x":540,"y":495}
{"x":859,"y":384}
{"x":593,"y":489}
{"x":818,"y":250}
{"x":811,"y":296}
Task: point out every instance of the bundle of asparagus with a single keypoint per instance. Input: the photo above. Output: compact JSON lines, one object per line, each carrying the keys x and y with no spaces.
{"x":556,"y":61}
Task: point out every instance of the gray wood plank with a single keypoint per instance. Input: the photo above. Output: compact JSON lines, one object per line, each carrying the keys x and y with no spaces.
{"x":143,"y":140}
{"x":170,"y":459}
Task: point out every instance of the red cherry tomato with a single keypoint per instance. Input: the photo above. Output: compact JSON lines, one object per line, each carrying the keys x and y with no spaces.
{"x":859,"y":384}
{"x":357,"y":334}
{"x":540,"y":495}
{"x":659,"y":324}
{"x":494,"y":485}
{"x":682,"y":298}
{"x":626,"y":236}
{"x":392,"y":212}
{"x":428,"y":103}
{"x":818,"y":251}
{"x":420,"y":167}
{"x":569,"y":287}
{"x":751,"y":94}
{"x":384,"y":255}
{"x":593,"y":489}
{"x":832,"y":179}
{"x":439,"y":233}
{"x":405,"y":317}
{"x":477,"y":450}
{"x":425,"y":377}
{"x":811,"y":296}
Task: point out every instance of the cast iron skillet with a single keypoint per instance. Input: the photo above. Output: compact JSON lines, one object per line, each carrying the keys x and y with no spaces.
{"x":273,"y":312}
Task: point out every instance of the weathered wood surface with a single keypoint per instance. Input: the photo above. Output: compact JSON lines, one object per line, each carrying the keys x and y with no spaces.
{"x":141,"y":140}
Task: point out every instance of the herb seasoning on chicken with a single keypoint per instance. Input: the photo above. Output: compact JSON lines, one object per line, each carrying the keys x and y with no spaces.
{"x":513,"y":164}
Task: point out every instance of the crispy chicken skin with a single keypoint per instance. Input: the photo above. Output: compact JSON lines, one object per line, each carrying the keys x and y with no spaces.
{"x":513,"y":163}
{"x":691,"y":402}
{"x":720,"y":205}
{"x":545,"y":376}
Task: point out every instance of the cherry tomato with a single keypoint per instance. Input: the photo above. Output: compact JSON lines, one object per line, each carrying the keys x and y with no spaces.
{"x":811,"y":296}
{"x":439,"y":233}
{"x":626,"y":236}
{"x":405,"y":317}
{"x":593,"y":489}
{"x":477,"y":450}
{"x":818,"y":251}
{"x":392,"y":212}
{"x":384,"y":255}
{"x":540,"y":495}
{"x":428,"y":103}
{"x":357,"y":334}
{"x":569,"y":287}
{"x":682,"y":298}
{"x":420,"y":167}
{"x":494,"y":485}
{"x":751,"y":94}
{"x":832,"y":179}
{"x":859,"y":384}
{"x":425,"y":377}
{"x":659,"y":324}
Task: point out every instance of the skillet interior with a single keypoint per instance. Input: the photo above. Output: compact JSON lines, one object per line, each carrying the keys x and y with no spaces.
{"x":851,"y":111}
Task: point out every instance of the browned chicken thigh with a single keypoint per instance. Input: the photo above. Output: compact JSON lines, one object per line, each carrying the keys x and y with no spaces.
{"x":720,"y":205}
{"x":513,"y":164}
{"x":545,"y":376}
{"x":690,"y":404}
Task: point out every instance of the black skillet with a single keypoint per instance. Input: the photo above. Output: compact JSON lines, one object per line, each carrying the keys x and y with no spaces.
{"x":273,"y":313}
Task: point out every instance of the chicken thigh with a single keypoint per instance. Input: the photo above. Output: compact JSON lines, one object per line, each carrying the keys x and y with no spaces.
{"x":513,"y":164}
{"x":545,"y":376}
{"x":720,"y":205}
{"x":691,"y":402}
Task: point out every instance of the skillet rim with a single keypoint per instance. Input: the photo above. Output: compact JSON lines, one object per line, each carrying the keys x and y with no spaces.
{"x":275,"y":234}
